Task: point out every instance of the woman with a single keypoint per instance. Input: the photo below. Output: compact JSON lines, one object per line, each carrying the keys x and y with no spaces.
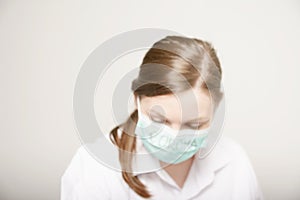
{"x":174,"y":135}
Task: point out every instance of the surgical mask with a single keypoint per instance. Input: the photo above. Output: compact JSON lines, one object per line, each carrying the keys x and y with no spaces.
{"x":167,"y":144}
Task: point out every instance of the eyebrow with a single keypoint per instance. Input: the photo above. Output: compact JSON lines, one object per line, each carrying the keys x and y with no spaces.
{"x":203,"y":119}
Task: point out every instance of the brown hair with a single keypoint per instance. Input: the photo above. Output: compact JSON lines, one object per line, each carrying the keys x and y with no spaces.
{"x":192,"y":58}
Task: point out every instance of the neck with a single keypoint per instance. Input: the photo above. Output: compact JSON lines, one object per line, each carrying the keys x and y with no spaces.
{"x":179,"y":171}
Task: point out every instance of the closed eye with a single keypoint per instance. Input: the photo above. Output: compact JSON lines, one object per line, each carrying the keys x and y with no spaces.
{"x":195,"y":125}
{"x":158,"y":120}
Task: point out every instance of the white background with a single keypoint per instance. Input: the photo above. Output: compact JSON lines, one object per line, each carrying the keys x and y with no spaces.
{"x":42,"y":47}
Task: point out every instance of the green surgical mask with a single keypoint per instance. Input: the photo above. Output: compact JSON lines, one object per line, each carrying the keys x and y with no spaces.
{"x":167,"y":144}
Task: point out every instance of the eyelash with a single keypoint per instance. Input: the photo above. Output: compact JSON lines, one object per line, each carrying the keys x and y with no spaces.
{"x":163,"y":121}
{"x":158,"y":121}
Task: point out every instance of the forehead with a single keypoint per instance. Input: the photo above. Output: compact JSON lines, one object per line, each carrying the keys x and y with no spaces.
{"x":188,"y":104}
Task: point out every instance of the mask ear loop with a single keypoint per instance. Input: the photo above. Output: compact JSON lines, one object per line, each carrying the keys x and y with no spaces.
{"x":144,"y":117}
{"x":138,"y":110}
{"x":138,"y":103}
{"x":139,"y":106}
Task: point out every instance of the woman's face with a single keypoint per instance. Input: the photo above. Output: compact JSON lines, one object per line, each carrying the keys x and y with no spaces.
{"x":192,"y":109}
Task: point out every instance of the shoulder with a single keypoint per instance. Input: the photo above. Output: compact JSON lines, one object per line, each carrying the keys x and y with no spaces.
{"x":232,"y":149}
{"x":228,"y":143}
{"x":85,"y":177}
{"x":85,"y":164}
{"x":234,"y":152}
{"x":226,"y":152}
{"x":240,"y":167}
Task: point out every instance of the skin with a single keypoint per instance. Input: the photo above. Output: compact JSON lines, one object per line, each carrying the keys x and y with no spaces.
{"x":179,"y":116}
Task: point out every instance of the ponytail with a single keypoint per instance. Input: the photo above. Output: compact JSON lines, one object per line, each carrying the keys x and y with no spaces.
{"x":127,"y":143}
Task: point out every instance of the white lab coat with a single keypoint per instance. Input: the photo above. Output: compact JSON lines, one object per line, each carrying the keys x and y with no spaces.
{"x":225,"y":174}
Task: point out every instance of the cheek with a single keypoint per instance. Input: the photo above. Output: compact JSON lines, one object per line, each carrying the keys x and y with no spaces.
{"x":206,"y":109}
{"x":206,"y":125}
